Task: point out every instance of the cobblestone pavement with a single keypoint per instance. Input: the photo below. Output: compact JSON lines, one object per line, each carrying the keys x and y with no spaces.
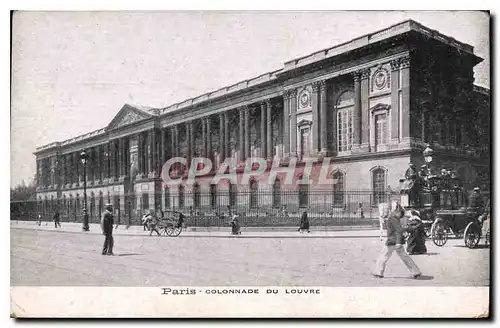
{"x":54,"y":258}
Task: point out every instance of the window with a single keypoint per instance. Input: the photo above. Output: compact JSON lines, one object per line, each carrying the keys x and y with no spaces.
{"x":338,"y":189}
{"x":167,"y":197}
{"x":181,"y":196}
{"x":344,"y":107}
{"x":378,"y":176}
{"x":277,"y":193}
{"x":213,"y":195}
{"x":145,"y":202}
{"x":380,"y":129}
{"x":116,"y":207}
{"x":196,"y":196}
{"x":233,"y":191}
{"x":254,"y":194}
{"x":92,"y":207}
{"x":101,"y":204}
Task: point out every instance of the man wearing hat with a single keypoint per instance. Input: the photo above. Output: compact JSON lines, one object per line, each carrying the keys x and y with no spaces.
{"x":107,"y":230}
{"x":475,"y":199}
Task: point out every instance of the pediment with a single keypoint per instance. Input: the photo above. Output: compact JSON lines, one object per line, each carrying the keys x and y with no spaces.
{"x":380,"y":107}
{"x":126,"y":116}
{"x":304,"y":122}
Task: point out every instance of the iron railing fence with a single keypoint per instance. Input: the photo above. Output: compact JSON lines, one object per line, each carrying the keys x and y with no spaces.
{"x":254,"y":207}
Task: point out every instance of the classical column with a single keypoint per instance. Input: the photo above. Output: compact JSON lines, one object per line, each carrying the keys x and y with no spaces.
{"x":405,"y":97}
{"x":323,"y":118}
{"x":204,"y":136}
{"x":76,"y":162}
{"x":241,"y":134}
{"x":63,"y":170}
{"x":222,"y":148}
{"x":191,"y":142}
{"x":269,"y":130}
{"x":263,"y":116}
{"x":149,"y":152}
{"x":365,"y":111}
{"x":209,"y":138}
{"x":163,"y":144}
{"x":246,"y":110}
{"x":356,"y":117}
{"x":293,"y":123}
{"x":395,"y":109}
{"x":315,"y":116}
{"x":227,"y":135}
{"x":98,"y":163}
{"x":176,"y":141}
{"x":154,"y":152}
{"x":121,"y":157}
{"x":286,"y":122}
{"x":139,"y":154}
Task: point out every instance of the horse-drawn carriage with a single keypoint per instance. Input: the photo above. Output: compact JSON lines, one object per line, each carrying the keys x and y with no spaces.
{"x":440,"y":202}
{"x":170,"y":223}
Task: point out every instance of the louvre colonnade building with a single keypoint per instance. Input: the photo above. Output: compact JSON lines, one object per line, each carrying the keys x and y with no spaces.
{"x":370,"y":105}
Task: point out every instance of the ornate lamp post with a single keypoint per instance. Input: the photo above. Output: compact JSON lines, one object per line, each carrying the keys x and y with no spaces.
{"x":84,"y":158}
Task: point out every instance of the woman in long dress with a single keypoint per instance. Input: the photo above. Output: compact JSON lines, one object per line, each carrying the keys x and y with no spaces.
{"x":416,"y":241}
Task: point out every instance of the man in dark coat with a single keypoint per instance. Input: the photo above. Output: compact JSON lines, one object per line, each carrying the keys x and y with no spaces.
{"x":57,"y":219}
{"x":107,"y":230}
{"x":395,"y":242}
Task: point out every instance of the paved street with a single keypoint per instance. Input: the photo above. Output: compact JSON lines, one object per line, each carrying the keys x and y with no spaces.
{"x":57,"y":258}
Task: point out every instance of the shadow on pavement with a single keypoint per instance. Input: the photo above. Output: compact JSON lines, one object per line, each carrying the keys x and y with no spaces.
{"x":128,"y":254}
{"x":422,"y":277}
{"x":426,"y":254}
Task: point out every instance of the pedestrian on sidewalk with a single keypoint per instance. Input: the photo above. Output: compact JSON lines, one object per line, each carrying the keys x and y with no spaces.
{"x":57,"y":219}
{"x":395,"y":242}
{"x":39,"y":220}
{"x":107,"y":230}
{"x":304,"y":223}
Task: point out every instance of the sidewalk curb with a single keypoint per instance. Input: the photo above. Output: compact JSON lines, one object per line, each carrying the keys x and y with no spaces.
{"x":202,"y":235}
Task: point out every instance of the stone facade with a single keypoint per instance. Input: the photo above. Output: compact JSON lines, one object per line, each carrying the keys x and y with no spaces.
{"x":370,"y":106}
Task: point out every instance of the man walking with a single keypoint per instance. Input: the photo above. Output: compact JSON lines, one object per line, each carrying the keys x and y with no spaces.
{"x":107,"y":230}
{"x":57,"y":220}
{"x":395,"y":242}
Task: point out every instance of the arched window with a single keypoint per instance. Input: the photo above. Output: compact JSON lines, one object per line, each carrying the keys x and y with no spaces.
{"x":196,"y":196}
{"x":181,"y":196}
{"x":379,"y":183}
{"x":344,"y":108}
{"x":166,"y":195}
{"x":338,"y":189}
{"x":277,"y":193}
{"x":254,"y":197}
{"x":213,"y":196}
{"x":233,"y":191}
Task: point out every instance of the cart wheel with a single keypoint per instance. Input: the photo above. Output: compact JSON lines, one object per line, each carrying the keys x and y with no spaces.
{"x":176,"y":231}
{"x":438,"y":233}
{"x":472,"y":234}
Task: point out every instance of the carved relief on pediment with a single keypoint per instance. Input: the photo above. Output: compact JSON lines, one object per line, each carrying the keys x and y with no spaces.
{"x":128,"y":118}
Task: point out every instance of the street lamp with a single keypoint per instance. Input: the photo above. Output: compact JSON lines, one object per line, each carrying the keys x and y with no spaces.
{"x":84,"y":158}
{"x":428,"y":152}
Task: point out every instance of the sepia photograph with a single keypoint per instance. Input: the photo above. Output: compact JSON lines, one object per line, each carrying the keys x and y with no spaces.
{"x":250,"y":164}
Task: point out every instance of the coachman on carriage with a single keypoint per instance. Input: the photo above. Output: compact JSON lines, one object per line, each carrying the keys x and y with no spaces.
{"x":439,"y":202}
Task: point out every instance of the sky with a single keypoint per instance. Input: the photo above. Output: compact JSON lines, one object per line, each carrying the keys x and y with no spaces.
{"x":73,"y":71}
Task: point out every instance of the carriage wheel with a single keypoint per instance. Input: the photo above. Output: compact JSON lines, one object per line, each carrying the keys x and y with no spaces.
{"x":438,"y":233}
{"x":172,"y":231}
{"x":472,"y":234}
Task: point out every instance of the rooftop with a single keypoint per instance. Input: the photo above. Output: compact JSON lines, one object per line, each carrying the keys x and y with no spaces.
{"x":362,"y":41}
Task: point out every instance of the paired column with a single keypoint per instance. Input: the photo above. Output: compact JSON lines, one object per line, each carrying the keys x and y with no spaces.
{"x":121,"y":157}
{"x":286,"y":122}
{"x":356,"y":117}
{"x":293,"y":123}
{"x":222,"y":148}
{"x":98,"y":163}
{"x":395,"y":113}
{"x":190,"y":141}
{"x":263,"y":135}
{"x":227,"y":150}
{"x":208,"y":121}
{"x":315,"y":116}
{"x":140,"y":154}
{"x":323,"y":118}
{"x":204,"y":136}
{"x":246,"y":110}
{"x":269,"y":130}
{"x":365,"y":112}
{"x":241,"y":134}
{"x":163,"y":144}
{"x":405,"y":97}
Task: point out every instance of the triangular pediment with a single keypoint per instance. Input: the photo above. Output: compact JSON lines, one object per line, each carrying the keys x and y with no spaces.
{"x":128,"y":115}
